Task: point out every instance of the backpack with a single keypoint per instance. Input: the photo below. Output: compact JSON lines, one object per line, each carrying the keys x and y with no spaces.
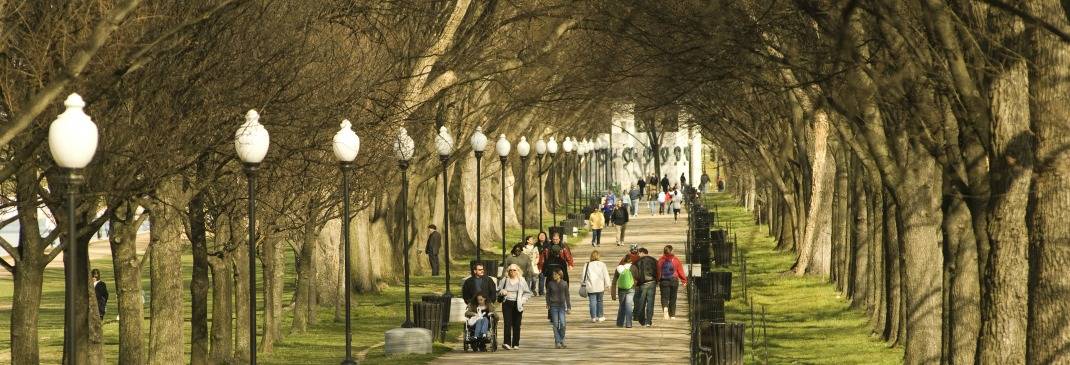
{"x":668,"y":270}
{"x":625,"y":280}
{"x":554,"y":259}
{"x":647,"y":265}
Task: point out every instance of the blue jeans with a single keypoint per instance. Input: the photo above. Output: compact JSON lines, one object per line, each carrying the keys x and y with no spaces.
{"x":653,"y":206}
{"x":624,"y":313}
{"x":481,"y":327}
{"x":644,"y":303}
{"x":635,"y":208}
{"x":542,"y":283}
{"x":596,"y":236}
{"x":557,"y":318}
{"x":595,"y":301}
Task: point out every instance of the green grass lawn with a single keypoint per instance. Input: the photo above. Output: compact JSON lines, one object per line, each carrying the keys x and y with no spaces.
{"x":323,"y":343}
{"x":808,"y":322}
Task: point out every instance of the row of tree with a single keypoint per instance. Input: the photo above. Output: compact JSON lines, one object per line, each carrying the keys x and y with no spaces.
{"x":167,"y":84}
{"x":914,"y":152}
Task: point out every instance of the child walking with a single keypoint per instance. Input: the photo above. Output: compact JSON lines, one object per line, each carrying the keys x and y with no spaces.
{"x":557,"y":299}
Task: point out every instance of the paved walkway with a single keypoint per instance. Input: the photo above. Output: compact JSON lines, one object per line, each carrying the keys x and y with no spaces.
{"x":664,"y":343}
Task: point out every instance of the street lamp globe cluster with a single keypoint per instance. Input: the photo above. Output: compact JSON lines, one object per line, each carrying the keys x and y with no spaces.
{"x":523,"y":148}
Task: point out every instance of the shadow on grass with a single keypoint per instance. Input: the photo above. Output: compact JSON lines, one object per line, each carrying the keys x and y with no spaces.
{"x":807,"y":321}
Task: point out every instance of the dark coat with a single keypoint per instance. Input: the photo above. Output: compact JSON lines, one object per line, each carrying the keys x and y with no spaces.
{"x":434,"y":243}
{"x":620,"y":216}
{"x":665,"y":183}
{"x":101,"y":291}
{"x":485,"y":284}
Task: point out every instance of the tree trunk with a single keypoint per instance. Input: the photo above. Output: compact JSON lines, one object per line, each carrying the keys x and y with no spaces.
{"x":96,"y":331}
{"x":918,"y":222}
{"x":304,"y":294}
{"x":166,"y":261}
{"x":843,"y":248}
{"x":222,"y":351}
{"x":815,"y":252}
{"x":127,"y":271}
{"x":271,"y":264}
{"x":199,"y":283}
{"x":892,"y":275}
{"x":1006,"y":278}
{"x":28,"y":275}
{"x":240,"y":265}
{"x":1049,"y":232}
{"x":961,"y":286}
{"x":861,"y":252}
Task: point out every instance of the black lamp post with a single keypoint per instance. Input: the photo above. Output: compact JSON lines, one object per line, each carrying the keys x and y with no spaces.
{"x":523,"y":148}
{"x":346,"y":147}
{"x":404,"y":148}
{"x":251,"y":142}
{"x":551,"y":147}
{"x":567,"y":146}
{"x":540,"y":150}
{"x":444,"y":145}
{"x":72,"y":141}
{"x":503,"y":148}
{"x":479,"y":144}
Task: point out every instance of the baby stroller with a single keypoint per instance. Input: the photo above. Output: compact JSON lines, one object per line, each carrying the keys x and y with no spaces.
{"x":471,"y":343}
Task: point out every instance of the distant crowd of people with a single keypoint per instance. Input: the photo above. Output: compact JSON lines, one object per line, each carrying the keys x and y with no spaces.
{"x":537,"y":267}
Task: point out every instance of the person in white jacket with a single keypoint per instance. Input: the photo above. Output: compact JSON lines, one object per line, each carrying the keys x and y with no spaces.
{"x":596,"y":280}
{"x":532,"y":250}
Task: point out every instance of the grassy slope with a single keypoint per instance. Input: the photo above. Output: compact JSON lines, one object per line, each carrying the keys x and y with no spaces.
{"x":808,"y":321}
{"x":324,"y":343}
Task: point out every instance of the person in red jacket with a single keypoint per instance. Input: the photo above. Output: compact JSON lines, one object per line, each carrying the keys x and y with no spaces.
{"x":670,"y":275}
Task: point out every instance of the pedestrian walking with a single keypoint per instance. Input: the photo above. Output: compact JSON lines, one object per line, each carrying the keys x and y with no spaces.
{"x":518,"y":258}
{"x":626,"y":202}
{"x":434,"y":243}
{"x":480,"y":313}
{"x":532,"y":249}
{"x":597,"y":222}
{"x":645,"y":282}
{"x":595,"y":282}
{"x":642,"y":185}
{"x":624,"y":284}
{"x":620,"y":218}
{"x":607,"y":208}
{"x":513,"y":292}
{"x":703,"y":181}
{"x":663,"y":197}
{"x":683,"y":179}
{"x":556,"y":256}
{"x":100,"y":291}
{"x":665,"y":183}
{"x":676,"y":199}
{"x":478,"y":283}
{"x":652,"y":198}
{"x":636,"y":196}
{"x":632,"y":256}
{"x":670,"y":277}
{"x":557,"y":299}
{"x":541,"y":242}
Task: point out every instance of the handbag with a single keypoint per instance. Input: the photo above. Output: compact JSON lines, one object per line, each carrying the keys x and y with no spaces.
{"x":500,"y":298}
{"x":583,"y":284}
